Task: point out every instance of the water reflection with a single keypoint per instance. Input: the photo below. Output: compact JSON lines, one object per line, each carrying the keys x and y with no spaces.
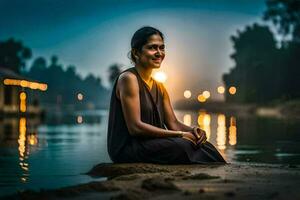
{"x":221,"y":132}
{"x":232,"y":131}
{"x":216,"y":128}
{"x":204,"y":123}
{"x":48,"y":154}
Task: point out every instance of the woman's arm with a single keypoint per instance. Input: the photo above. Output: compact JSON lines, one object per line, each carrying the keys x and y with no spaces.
{"x":172,"y":122}
{"x":128,"y":90}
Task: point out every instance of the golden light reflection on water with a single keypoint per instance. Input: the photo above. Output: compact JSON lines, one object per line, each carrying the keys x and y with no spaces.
{"x":187,"y":119}
{"x":232,"y":131}
{"x":221,"y":132}
{"x":218,"y":132}
{"x":33,"y":140}
{"x":22,"y":136}
{"x":204,"y":123}
{"x":22,"y":149}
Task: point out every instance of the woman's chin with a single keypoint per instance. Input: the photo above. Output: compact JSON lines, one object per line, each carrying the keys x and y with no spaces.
{"x":156,"y":66}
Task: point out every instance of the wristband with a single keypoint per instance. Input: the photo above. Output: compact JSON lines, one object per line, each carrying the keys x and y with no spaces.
{"x":180,"y":133}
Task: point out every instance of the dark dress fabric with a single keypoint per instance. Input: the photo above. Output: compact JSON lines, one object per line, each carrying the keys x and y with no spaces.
{"x":124,"y":148}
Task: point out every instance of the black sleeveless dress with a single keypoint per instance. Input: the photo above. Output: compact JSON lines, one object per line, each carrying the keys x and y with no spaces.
{"x":124,"y":148}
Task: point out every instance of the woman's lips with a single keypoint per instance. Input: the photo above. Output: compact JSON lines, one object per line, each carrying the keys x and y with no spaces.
{"x":157,"y":60}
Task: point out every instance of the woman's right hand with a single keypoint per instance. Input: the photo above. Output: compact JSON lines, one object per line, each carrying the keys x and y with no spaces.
{"x":190,"y":136}
{"x":200,"y":135}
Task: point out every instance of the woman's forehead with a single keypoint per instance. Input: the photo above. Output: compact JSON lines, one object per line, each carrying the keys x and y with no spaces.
{"x":155,"y":39}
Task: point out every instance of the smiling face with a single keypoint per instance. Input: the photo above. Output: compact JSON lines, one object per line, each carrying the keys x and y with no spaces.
{"x":152,"y":53}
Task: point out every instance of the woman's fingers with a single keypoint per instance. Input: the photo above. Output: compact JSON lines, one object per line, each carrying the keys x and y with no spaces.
{"x":202,"y":138}
{"x":189,"y":136}
{"x":189,"y":139}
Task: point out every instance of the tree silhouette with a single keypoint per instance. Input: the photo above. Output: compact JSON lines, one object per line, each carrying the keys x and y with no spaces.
{"x":65,"y":84}
{"x":114,"y":71}
{"x":285,"y":15}
{"x":256,"y":68}
{"x":13,"y":55}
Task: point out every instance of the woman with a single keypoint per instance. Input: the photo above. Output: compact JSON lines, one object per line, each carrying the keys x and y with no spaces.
{"x":142,"y":125}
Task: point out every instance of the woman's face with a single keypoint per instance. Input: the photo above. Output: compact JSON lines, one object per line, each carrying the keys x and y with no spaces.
{"x":152,"y":53}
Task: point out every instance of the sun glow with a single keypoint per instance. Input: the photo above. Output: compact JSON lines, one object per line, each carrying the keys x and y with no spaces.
{"x":160,"y":76}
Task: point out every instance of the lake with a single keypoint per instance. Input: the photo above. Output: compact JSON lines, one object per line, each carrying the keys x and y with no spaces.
{"x":58,"y":151}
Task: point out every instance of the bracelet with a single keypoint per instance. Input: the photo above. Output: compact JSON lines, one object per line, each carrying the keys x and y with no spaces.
{"x":180,"y":133}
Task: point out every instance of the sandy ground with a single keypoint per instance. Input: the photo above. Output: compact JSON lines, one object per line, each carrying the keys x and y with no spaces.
{"x":165,"y":182}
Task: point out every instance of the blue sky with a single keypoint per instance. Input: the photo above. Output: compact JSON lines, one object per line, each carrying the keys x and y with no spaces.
{"x":95,"y":34}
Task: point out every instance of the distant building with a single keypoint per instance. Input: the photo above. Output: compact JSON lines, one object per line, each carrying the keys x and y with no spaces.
{"x":14,"y":90}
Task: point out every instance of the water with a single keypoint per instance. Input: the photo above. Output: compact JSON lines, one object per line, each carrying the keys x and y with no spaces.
{"x":59,"y":151}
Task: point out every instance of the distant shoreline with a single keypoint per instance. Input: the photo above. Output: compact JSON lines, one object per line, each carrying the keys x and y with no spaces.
{"x":285,"y":110}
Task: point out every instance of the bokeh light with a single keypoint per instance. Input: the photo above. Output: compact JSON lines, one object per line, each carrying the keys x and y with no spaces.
{"x":221,"y":90}
{"x":187,"y":94}
{"x":80,"y":96}
{"x":206,"y":94}
{"x":201,"y":98}
{"x":232,"y":90}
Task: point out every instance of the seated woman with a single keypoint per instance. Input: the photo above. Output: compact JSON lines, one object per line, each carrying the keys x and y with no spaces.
{"x":142,"y":126}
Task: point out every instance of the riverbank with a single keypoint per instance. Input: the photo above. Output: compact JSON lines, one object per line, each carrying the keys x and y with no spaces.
{"x":151,"y":181}
{"x":283,"y":110}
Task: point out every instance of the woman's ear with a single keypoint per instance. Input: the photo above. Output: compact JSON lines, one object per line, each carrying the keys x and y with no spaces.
{"x":135,"y":54}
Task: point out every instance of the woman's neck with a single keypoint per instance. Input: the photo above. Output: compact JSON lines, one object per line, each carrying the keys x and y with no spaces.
{"x":145,"y":73}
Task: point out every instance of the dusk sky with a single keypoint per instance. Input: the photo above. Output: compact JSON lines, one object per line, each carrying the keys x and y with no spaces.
{"x":95,"y":34}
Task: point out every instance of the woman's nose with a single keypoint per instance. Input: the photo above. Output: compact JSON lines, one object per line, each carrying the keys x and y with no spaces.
{"x":158,"y":53}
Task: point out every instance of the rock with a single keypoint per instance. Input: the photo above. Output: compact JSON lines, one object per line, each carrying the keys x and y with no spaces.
{"x":200,"y":176}
{"x":158,"y":183}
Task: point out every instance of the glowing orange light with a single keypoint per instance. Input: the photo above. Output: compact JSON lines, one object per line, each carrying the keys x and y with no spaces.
{"x":232,"y":90}
{"x":206,"y":94}
{"x":221,"y":90}
{"x":32,"y":139}
{"x":80,"y":96}
{"x":204,"y":123}
{"x":79,"y":119}
{"x":232,"y":131}
{"x":43,"y":87}
{"x":160,"y":76}
{"x":22,"y":134}
{"x":23,"y":102}
{"x":187,"y":94}
{"x":26,"y":84}
{"x":201,"y":98}
{"x":221,"y":132}
{"x":33,"y":85}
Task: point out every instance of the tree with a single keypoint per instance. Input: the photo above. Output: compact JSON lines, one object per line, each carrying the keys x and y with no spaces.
{"x":114,"y":71}
{"x":285,"y":15}
{"x":13,"y":55}
{"x":256,"y":66}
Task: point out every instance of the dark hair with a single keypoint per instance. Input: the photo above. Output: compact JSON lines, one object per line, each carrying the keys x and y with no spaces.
{"x":140,"y":38}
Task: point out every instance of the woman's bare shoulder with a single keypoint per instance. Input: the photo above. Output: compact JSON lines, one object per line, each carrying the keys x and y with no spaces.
{"x":128,"y":83}
{"x":126,"y":77}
